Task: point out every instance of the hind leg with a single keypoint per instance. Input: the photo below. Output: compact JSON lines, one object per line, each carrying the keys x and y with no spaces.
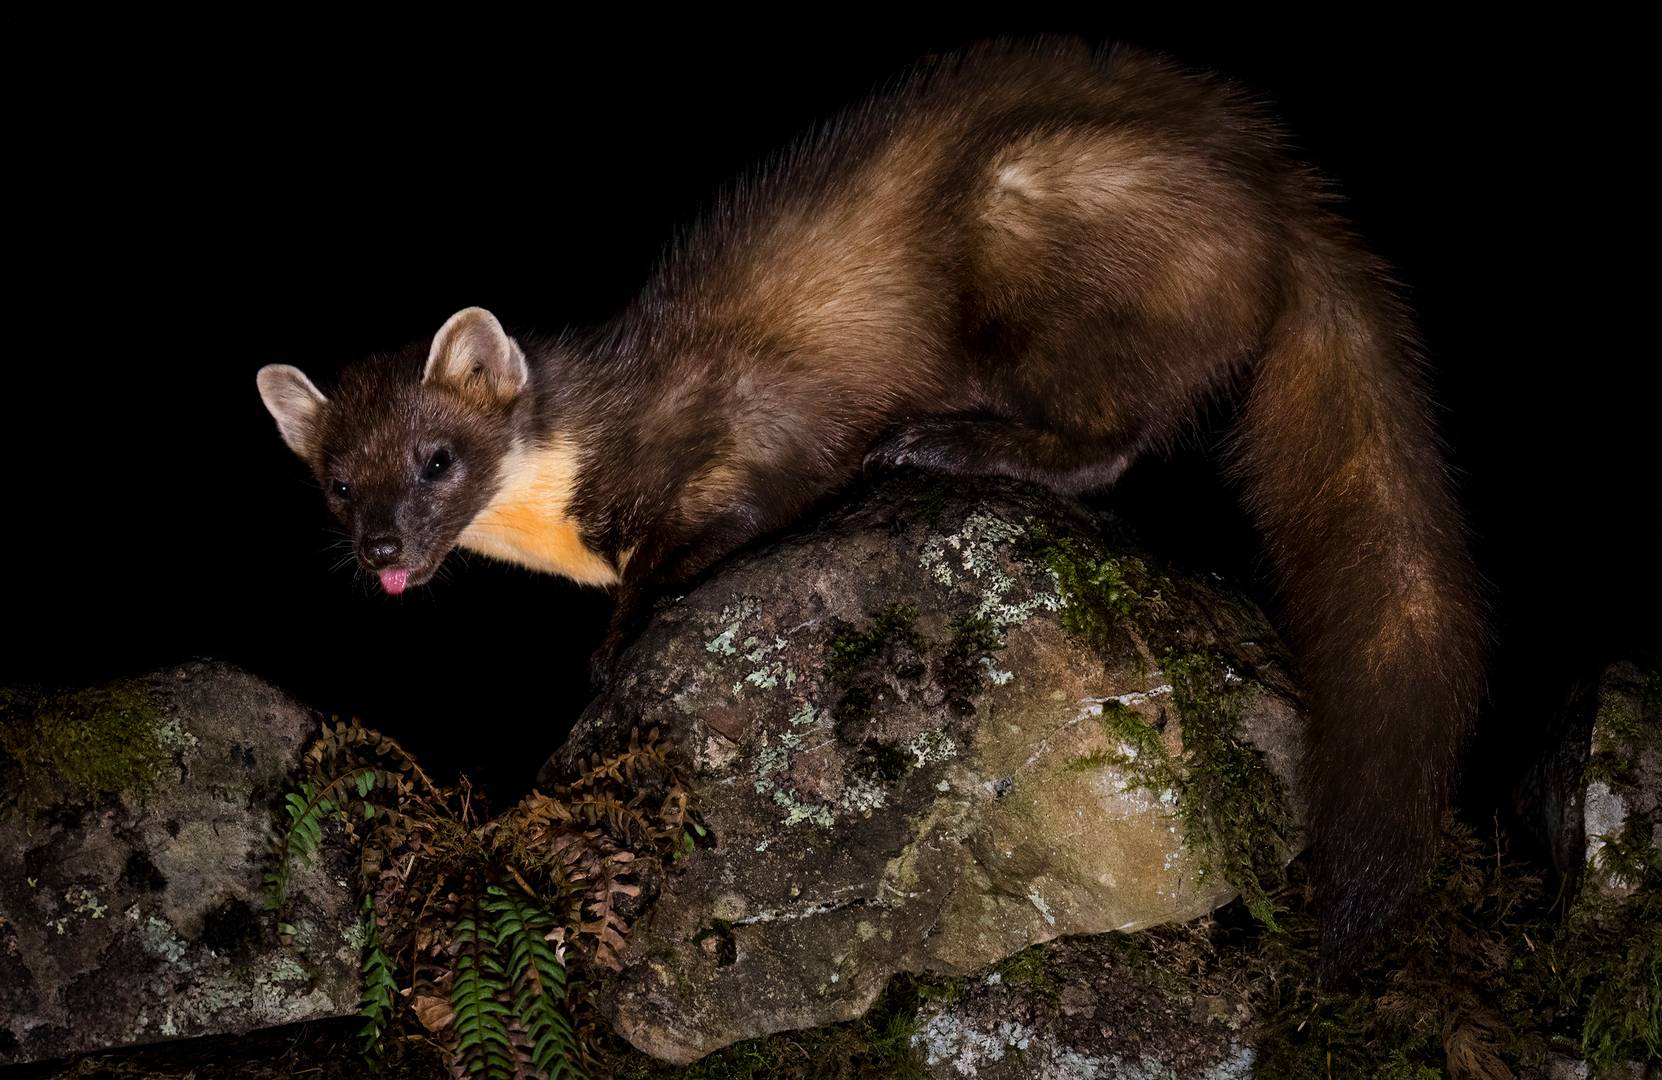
{"x":1065,"y":463}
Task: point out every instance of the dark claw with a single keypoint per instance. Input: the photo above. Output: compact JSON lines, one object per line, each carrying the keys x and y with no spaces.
{"x":904,"y":447}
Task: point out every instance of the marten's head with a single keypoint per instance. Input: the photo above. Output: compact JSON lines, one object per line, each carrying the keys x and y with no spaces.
{"x":408,"y":451}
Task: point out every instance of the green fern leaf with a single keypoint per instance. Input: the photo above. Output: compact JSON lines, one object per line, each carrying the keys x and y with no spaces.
{"x":380,"y":991}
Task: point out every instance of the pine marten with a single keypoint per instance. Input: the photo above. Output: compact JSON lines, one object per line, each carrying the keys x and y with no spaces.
{"x":1031,"y":260}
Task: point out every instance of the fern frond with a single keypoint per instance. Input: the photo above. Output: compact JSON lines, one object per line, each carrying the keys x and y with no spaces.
{"x":306,"y":809}
{"x":478,"y":916}
{"x":538,"y":977}
{"x":624,"y":820}
{"x":380,"y":990}
{"x":480,"y":1024}
{"x":351,"y":739}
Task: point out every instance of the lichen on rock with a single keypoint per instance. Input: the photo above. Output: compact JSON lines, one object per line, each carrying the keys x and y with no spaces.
{"x":895,"y":721}
{"x":1623,"y":776}
{"x":130,"y":906}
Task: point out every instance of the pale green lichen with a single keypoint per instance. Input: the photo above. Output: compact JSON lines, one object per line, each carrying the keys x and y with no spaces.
{"x":930,"y":747}
{"x":796,"y":811}
{"x":159,"y":937}
{"x":996,"y":675}
{"x":863,"y":795}
{"x":1042,"y":907}
{"x":278,"y":979}
{"x":974,"y":547}
{"x":945,"y":1038}
{"x":773,"y":761}
{"x":355,"y":935}
{"x":84,"y":901}
{"x":980,"y":549}
{"x":968,"y":1047}
{"x":759,"y":649}
{"x":755,"y":650}
{"x":734,"y":616}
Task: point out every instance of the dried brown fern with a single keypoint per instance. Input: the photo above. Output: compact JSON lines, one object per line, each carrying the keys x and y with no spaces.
{"x":481,"y":920}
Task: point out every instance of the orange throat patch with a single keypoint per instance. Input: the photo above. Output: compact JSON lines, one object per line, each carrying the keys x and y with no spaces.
{"x":527,"y":521}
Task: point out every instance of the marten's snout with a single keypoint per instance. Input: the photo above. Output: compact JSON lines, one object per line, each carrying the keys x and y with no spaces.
{"x":380,"y":552}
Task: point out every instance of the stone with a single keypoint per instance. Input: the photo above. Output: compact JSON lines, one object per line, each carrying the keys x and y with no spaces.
{"x":1081,"y":1009}
{"x":134,"y":839}
{"x":1623,"y":776}
{"x":926,"y":733}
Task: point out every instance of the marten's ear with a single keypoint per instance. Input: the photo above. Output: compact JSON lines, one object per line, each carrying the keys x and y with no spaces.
{"x":472,"y":353}
{"x":295,"y":403}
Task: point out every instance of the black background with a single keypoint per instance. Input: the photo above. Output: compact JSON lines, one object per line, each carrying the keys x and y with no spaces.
{"x":197,"y":207}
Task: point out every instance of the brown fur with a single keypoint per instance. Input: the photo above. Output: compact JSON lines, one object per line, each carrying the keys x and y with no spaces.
{"x":1028,"y":260}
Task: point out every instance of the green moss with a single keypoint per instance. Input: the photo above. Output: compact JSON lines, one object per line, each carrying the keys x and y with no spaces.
{"x":1483,"y":974}
{"x":1604,"y":963}
{"x":1103,"y":592}
{"x":106,"y":740}
{"x":1608,"y":957}
{"x":1629,"y":719}
{"x":1232,"y":806}
{"x":1091,"y":762}
{"x":857,"y":659}
{"x":1610,"y":767}
{"x":973,"y":637}
{"x":1027,"y":968}
{"x":854,"y":707}
{"x":1143,"y":750}
{"x":1628,"y":858}
{"x":1614,"y":966}
{"x":881,"y":761}
{"x":850,"y":648}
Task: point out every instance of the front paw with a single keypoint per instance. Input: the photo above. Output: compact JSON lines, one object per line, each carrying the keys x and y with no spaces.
{"x":919,"y":446}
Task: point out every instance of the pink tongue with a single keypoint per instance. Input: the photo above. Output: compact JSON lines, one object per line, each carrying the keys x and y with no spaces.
{"x":393,"y":581}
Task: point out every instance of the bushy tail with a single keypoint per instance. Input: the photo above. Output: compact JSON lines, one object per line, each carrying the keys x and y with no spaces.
{"x":1345,"y":476}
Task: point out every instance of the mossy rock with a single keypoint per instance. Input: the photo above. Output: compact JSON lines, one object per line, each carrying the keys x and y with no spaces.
{"x":928,"y":732}
{"x":133,"y":842}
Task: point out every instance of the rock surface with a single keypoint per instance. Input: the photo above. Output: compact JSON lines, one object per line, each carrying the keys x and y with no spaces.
{"x":1083,"y":1009}
{"x":927,"y":734}
{"x":133,"y":841}
{"x":1624,"y":767}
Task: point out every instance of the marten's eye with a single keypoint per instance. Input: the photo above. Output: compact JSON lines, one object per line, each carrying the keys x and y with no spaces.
{"x":437,"y":465}
{"x":341,"y":490}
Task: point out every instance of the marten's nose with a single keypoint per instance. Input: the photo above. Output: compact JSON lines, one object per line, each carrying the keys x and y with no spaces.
{"x":382,"y":551}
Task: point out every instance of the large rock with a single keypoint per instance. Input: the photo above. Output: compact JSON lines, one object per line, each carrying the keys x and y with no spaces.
{"x":134,"y":834}
{"x":930,"y":732}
